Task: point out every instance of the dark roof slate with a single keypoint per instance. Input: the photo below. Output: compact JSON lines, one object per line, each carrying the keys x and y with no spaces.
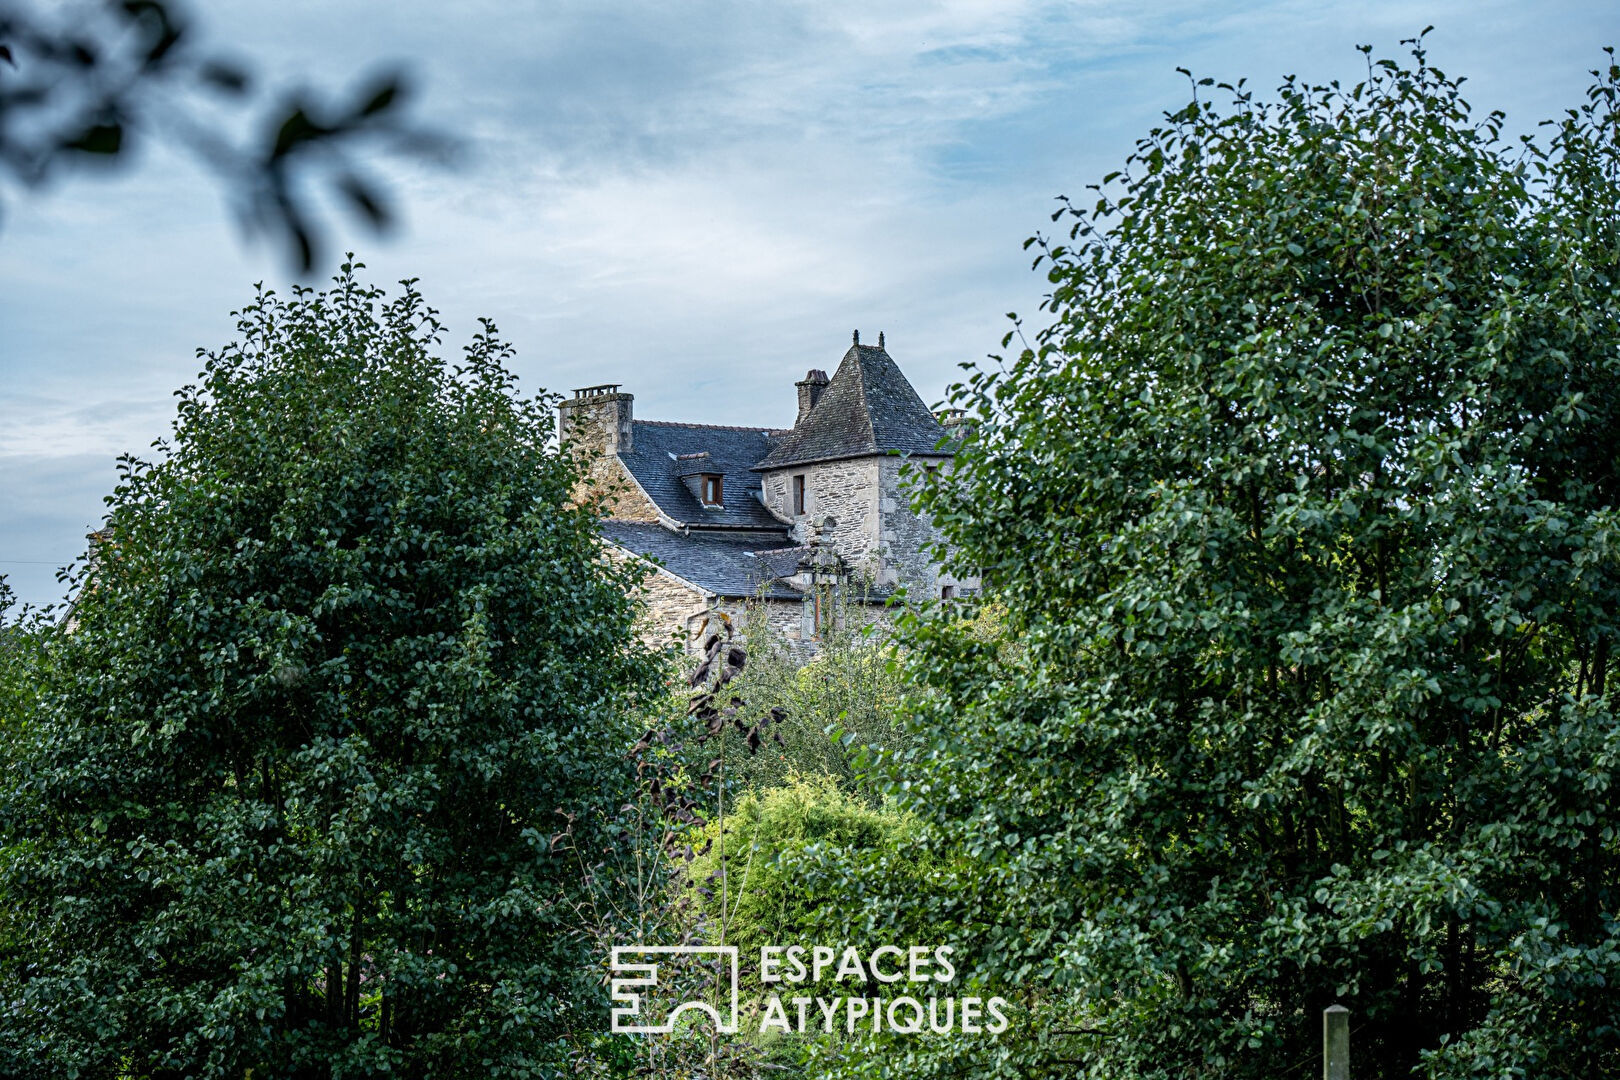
{"x":868,"y":408}
{"x":782,"y":562}
{"x":731,"y":451}
{"x":722,"y":564}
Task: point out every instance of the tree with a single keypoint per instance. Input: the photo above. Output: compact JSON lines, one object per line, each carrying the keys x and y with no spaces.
{"x":92,"y":82}
{"x":348,"y":663}
{"x":844,"y":701}
{"x":24,"y":641}
{"x":1304,"y":512}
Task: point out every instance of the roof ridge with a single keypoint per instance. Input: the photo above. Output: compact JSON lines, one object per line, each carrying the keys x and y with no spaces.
{"x":715,"y":427}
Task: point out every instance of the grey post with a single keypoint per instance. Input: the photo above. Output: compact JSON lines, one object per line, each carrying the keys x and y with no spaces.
{"x":1335,"y":1043}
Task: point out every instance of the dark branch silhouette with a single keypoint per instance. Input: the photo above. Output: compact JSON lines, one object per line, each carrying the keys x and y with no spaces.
{"x":91,"y":83}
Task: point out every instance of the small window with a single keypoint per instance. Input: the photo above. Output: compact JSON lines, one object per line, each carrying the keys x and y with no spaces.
{"x":798,"y":494}
{"x":713,"y":490}
{"x":947,"y":592}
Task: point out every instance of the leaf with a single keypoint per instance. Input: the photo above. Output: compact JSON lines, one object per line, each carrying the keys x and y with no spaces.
{"x":365,"y":199}
{"x":104,"y":139}
{"x":224,"y":76}
{"x":382,"y":98}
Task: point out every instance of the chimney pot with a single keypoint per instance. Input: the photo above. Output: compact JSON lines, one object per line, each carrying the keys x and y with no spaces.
{"x":810,"y":388}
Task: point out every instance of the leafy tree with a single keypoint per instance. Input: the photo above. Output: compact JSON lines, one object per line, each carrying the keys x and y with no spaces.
{"x":347,"y":664}
{"x":776,"y":844}
{"x":1304,"y":514}
{"x":798,"y":860}
{"x":23,"y":635}
{"x":24,"y":640}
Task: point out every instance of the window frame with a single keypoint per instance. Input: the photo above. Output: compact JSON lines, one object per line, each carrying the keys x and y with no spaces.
{"x":801,"y":501}
{"x":716,"y":483}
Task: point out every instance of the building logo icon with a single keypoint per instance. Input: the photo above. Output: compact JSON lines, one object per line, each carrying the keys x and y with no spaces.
{"x":628,"y":993}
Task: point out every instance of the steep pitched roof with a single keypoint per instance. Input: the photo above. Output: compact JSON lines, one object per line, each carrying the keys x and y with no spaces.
{"x":723,"y":565}
{"x":662,"y":455}
{"x":868,"y":408}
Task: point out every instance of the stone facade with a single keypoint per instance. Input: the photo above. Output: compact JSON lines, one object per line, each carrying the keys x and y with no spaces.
{"x":716,"y":509}
{"x":669,"y":604}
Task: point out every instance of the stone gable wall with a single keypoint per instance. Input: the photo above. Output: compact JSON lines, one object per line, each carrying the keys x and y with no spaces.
{"x":607,"y":476}
{"x":669,"y":604}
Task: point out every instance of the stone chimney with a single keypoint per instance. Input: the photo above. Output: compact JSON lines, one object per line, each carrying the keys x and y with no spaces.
{"x":598,"y":418}
{"x":810,"y":388}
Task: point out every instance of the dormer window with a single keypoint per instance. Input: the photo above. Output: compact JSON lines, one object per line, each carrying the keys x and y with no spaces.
{"x":713,"y":487}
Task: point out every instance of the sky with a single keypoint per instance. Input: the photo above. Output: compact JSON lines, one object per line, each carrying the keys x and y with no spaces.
{"x":698,"y":201}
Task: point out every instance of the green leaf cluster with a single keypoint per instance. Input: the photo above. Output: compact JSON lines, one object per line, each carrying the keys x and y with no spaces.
{"x":783,"y":860}
{"x":842,"y":705}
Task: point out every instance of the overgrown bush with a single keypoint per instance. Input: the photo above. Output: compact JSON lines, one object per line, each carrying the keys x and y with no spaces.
{"x":778,"y":844}
{"x":841,"y":702}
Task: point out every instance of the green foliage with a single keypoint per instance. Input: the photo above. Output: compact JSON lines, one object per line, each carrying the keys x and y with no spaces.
{"x":24,"y":651}
{"x":776,"y":842}
{"x":24,"y":637}
{"x":1303,"y":512}
{"x":347,"y":661}
{"x":841,"y":704}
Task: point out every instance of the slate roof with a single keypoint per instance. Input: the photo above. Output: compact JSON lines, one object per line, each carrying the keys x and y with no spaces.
{"x":868,"y":408}
{"x":656,"y":464}
{"x":722,"y":564}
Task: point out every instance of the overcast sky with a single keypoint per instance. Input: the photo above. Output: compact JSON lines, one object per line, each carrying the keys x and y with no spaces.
{"x":696,"y":200}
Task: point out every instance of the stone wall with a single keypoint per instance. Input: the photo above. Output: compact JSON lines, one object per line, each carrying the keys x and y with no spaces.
{"x":598,"y":423}
{"x":783,"y":618}
{"x":789,"y":621}
{"x":669,"y":604}
{"x":673,"y":607}
{"x":598,"y":418}
{"x":877,"y":530}
{"x":846,"y":491}
{"x":607,"y":477}
{"x":906,"y":535}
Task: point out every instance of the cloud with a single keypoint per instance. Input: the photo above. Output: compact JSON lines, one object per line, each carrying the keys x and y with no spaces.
{"x":697,"y":200}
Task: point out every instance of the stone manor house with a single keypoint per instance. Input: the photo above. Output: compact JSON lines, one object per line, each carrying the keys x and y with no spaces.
{"x":788,"y":519}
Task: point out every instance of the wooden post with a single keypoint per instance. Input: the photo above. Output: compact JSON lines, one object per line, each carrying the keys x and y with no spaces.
{"x":1335,"y":1043}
